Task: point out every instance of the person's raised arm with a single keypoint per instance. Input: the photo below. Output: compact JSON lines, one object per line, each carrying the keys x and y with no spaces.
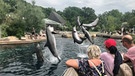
{"x":72,"y":63}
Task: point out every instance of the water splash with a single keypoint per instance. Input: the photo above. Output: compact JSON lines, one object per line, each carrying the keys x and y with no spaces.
{"x":53,"y":60}
{"x":48,"y":55}
{"x":82,"y":50}
{"x":82,"y":55}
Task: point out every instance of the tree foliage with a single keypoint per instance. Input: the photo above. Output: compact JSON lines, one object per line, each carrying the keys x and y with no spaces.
{"x":86,"y":14}
{"x":18,"y":17}
{"x":111,"y":20}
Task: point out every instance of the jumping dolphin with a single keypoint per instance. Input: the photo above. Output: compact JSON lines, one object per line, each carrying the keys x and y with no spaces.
{"x":92,"y":24}
{"x":51,"y":42}
{"x":87,"y":35}
{"x":75,"y":36}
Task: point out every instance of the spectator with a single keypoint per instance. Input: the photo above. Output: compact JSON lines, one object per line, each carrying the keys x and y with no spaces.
{"x":127,"y":42}
{"x":86,"y":67}
{"x":112,"y":58}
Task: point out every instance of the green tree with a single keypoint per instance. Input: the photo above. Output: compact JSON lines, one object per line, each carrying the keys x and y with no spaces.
{"x":111,"y":23}
{"x":127,"y":16}
{"x":4,"y":8}
{"x":71,"y":13}
{"x":132,"y":22}
{"x":88,"y":15}
{"x":111,"y":20}
{"x":47,"y":11}
{"x":33,"y":17}
{"x":24,"y":17}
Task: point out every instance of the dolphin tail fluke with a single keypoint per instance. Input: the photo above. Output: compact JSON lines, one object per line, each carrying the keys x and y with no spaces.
{"x":59,"y":58}
{"x":92,"y":41}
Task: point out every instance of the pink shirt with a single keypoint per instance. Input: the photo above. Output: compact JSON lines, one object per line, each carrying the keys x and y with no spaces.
{"x":109,"y":62}
{"x":131,"y":55}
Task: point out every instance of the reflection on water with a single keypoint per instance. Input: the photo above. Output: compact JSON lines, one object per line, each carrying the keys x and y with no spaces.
{"x":17,"y":60}
{"x":20,"y":60}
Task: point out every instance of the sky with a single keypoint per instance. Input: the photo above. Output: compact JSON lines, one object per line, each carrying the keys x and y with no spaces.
{"x":100,"y":6}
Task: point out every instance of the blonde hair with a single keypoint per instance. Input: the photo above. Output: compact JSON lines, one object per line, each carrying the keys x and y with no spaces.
{"x":93,"y":51}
